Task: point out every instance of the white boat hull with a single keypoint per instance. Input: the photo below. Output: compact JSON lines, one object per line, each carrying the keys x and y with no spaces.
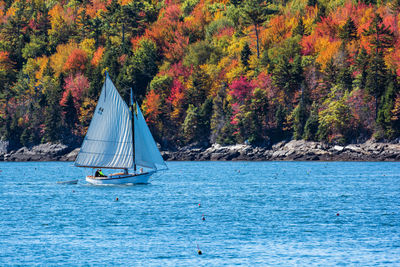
{"x":120,"y":179}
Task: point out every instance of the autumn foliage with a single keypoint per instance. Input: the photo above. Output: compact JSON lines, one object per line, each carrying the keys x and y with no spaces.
{"x":203,"y":71}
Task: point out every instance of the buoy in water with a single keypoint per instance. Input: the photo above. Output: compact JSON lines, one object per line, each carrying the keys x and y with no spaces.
{"x":199,"y":205}
{"x":337,"y":214}
{"x":199,"y":252}
{"x":203,"y":218}
{"x":116,"y":199}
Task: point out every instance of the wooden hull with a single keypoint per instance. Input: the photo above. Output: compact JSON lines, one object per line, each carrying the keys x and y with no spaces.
{"x":120,"y":179}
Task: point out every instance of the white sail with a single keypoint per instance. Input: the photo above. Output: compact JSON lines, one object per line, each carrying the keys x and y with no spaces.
{"x":146,"y":151}
{"x":108,"y":142}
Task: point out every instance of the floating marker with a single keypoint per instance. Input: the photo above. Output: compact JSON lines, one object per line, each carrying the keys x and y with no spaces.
{"x":337,"y":214}
{"x":116,"y":199}
{"x":203,"y":218}
{"x":199,"y":205}
{"x":198,"y":250}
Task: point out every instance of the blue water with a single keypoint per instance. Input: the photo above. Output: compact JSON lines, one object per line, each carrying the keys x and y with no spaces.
{"x":269,"y":213}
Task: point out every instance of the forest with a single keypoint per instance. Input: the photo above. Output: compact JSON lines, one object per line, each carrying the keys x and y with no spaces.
{"x":204,"y":71}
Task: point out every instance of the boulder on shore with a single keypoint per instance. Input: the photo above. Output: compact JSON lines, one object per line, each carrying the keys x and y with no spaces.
{"x":42,"y":152}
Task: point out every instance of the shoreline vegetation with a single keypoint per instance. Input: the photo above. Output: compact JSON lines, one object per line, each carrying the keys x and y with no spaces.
{"x":295,"y":150}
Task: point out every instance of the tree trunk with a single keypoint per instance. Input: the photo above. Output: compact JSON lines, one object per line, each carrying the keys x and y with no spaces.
{"x":258,"y":48}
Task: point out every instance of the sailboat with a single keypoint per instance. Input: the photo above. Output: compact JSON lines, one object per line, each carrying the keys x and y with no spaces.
{"x":119,"y":138}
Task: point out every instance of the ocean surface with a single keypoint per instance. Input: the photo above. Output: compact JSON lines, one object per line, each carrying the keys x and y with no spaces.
{"x":256,"y":214}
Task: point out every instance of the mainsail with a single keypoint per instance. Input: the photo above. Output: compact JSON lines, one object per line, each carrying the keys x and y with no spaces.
{"x":146,"y":151}
{"x":108,"y":142}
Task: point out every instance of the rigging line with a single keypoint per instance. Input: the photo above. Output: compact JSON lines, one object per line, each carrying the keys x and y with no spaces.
{"x":109,"y":141}
{"x":113,"y":154}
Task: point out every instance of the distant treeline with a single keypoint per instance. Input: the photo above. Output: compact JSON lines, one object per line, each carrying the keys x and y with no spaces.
{"x":204,"y":70}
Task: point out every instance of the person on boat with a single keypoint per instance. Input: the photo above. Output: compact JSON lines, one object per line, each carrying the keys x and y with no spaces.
{"x":141,"y":170}
{"x":99,"y":173}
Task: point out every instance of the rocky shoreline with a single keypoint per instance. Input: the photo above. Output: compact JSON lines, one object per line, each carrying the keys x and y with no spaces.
{"x":295,"y":150}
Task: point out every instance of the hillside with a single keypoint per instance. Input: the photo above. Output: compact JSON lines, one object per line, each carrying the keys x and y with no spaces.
{"x":205,"y":71}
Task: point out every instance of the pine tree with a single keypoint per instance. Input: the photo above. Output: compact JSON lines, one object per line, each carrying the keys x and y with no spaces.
{"x":70,"y":113}
{"x":312,"y":2}
{"x":256,"y":12}
{"x":52,"y":130}
{"x":260,"y":106}
{"x":344,"y":76}
{"x":375,"y":82}
{"x":218,"y":114}
{"x":245,"y":55}
{"x":299,"y":115}
{"x":349,"y":31}
{"x":311,"y":127}
{"x":362,"y":62}
{"x":331,"y":74}
{"x":191,"y":124}
{"x":288,"y":76}
{"x":382,"y":39}
{"x":385,"y":112}
{"x":205,"y":112}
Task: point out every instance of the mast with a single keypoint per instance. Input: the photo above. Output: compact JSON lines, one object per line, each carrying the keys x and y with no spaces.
{"x":133,"y":131}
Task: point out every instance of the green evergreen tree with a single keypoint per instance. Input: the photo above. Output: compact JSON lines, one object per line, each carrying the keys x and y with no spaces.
{"x":349,"y":31}
{"x":299,"y":115}
{"x":245,"y":55}
{"x":312,"y":2}
{"x":280,"y":119}
{"x":26,"y":137}
{"x":384,"y":114}
{"x":221,"y":127}
{"x":260,"y":106}
{"x":191,"y":124}
{"x":382,"y":39}
{"x":205,"y":112}
{"x":256,"y":12}
{"x":311,"y":127}
{"x":70,"y":113}
{"x":12,"y":130}
{"x":382,"y":36}
{"x":139,"y":70}
{"x":288,"y":76}
{"x":331,"y":74}
{"x":362,"y":63}
{"x":197,"y":93}
{"x":52,"y":122}
{"x":218,"y":117}
{"x":344,"y":76}
{"x":375,"y":82}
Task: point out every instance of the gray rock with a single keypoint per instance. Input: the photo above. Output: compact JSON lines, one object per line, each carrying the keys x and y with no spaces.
{"x":4,"y":147}
{"x":338,"y":148}
{"x":71,"y":156}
